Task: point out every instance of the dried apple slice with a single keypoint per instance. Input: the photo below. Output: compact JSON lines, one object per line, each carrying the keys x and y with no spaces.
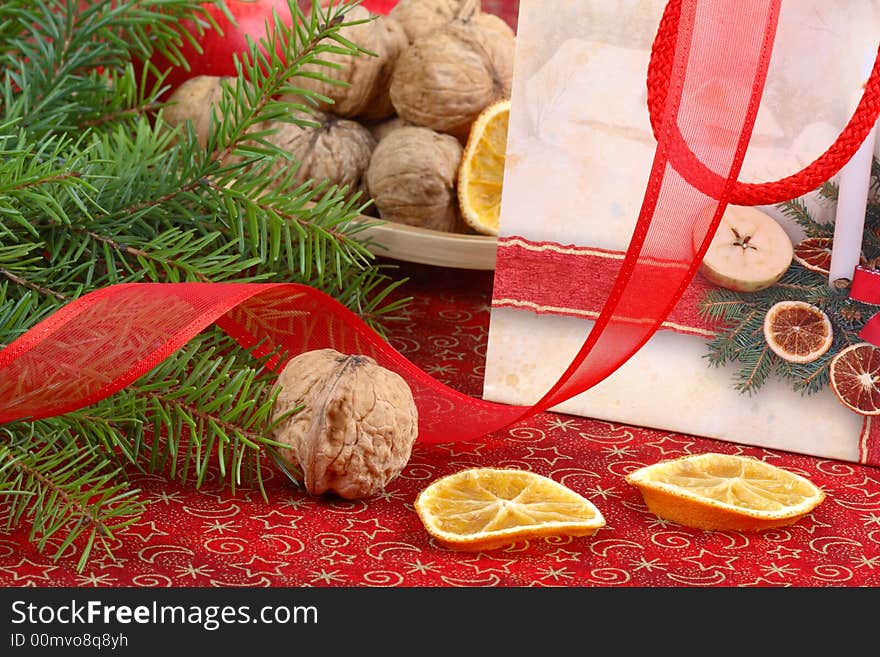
{"x":750,"y":251}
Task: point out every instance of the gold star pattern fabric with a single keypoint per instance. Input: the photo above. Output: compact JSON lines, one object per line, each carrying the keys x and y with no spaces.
{"x":213,"y":538}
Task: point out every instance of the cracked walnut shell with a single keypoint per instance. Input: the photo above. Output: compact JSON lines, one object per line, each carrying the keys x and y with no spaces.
{"x":357,"y":425}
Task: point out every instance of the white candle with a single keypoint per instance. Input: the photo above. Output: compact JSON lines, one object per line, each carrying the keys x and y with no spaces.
{"x":852,"y":202}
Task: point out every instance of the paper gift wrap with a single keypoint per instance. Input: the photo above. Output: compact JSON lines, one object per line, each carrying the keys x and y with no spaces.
{"x":580,"y":149}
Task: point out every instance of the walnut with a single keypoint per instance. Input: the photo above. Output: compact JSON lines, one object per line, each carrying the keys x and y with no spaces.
{"x":367,"y":76}
{"x":445,"y":79}
{"x":412,"y":177}
{"x":493,"y":22}
{"x":421,"y":17}
{"x":195,"y":100}
{"x":382,"y":129}
{"x":357,"y":425}
{"x":338,"y":150}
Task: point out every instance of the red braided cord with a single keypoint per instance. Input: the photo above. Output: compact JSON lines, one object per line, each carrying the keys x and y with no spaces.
{"x":767,"y":193}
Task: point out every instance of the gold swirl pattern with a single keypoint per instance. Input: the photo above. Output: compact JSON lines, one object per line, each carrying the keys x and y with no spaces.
{"x":379,"y":550}
{"x":825,"y":544}
{"x":231,"y":545}
{"x":673,"y":539}
{"x":333,"y":540}
{"x":610,"y":576}
{"x":289,"y":545}
{"x":833,"y":573}
{"x":835,"y":468}
{"x":152,"y":580}
{"x":153,"y":552}
{"x":490,"y":580}
{"x":383,"y":578}
{"x":604,"y":547}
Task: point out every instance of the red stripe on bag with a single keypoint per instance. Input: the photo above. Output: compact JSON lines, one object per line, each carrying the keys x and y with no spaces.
{"x":555,"y":279}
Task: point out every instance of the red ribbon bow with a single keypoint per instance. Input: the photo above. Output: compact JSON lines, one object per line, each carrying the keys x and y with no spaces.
{"x":866,"y":288}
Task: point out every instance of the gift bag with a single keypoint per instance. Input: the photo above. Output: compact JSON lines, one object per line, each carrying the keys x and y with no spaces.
{"x":592,"y":81}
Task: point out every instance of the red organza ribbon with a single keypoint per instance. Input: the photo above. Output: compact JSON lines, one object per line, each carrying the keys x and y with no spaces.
{"x":718,"y":53}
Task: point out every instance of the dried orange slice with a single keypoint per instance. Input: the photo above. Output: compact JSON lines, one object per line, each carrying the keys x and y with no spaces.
{"x":725,"y":492}
{"x":797,"y":332}
{"x":855,"y":378}
{"x":814,"y":253}
{"x":486,"y":508}
{"x":481,"y":174}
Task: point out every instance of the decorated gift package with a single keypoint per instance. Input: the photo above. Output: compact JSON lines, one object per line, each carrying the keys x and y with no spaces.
{"x":760,"y":348}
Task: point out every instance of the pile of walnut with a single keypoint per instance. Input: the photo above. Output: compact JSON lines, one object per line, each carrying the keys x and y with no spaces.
{"x":350,"y":424}
{"x":396,"y":132}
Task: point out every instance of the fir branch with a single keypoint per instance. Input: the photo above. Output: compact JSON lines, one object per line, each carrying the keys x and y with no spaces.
{"x":62,"y":487}
{"x":729,"y":345}
{"x":875,"y":177}
{"x":829,"y":191}
{"x":95,"y":189}
{"x":54,"y":56}
{"x":18,"y":280}
{"x":221,"y":412}
{"x":810,"y":379}
{"x":16,"y":312}
{"x":796,"y":209}
{"x":721,"y":305}
{"x":757,"y":367}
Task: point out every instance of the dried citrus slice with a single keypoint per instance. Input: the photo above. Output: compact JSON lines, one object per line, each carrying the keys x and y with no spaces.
{"x":814,"y":253}
{"x":725,"y":492}
{"x":797,"y":332}
{"x":485,"y":508}
{"x":855,"y":378}
{"x":481,"y":173}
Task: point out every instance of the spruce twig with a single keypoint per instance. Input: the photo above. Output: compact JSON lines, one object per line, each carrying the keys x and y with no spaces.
{"x":95,"y":189}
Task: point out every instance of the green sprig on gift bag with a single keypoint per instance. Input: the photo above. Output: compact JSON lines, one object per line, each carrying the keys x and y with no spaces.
{"x":740,"y":316}
{"x":96,"y":189}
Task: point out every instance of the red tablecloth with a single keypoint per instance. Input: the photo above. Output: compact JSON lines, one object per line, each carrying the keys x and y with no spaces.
{"x":214,"y":538}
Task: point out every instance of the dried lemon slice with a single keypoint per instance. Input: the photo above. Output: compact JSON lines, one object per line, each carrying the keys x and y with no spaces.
{"x":797,"y":332}
{"x":485,"y":508}
{"x":725,"y":492}
{"x":481,"y":174}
